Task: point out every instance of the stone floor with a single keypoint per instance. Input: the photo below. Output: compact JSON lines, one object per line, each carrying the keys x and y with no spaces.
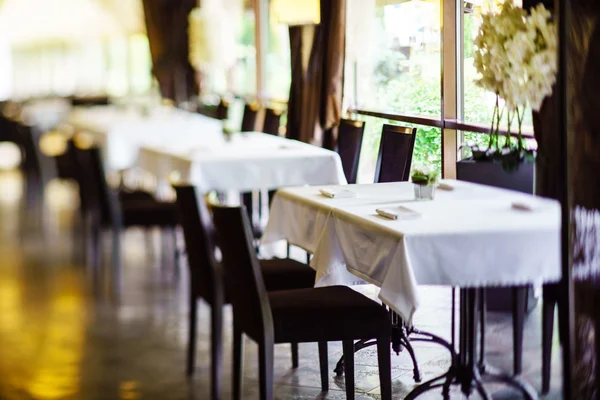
{"x":68,"y":334}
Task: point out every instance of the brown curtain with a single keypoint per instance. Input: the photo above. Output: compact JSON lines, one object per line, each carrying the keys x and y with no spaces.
{"x":167,"y":27}
{"x":315,"y":101}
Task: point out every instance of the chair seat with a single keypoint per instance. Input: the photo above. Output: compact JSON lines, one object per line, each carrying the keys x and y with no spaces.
{"x":135,"y":195}
{"x":282,"y":274}
{"x":342,"y":314}
{"x":149,"y":213}
{"x":286,"y":274}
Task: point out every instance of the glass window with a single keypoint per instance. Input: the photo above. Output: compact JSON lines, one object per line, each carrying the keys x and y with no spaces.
{"x":244,"y":70}
{"x":393,"y":64}
{"x":393,"y":56}
{"x":279,"y":69}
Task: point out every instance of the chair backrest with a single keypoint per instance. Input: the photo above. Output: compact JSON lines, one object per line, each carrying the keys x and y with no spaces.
{"x":249,"y":117}
{"x":198,"y":233}
{"x":31,"y":151}
{"x":99,"y":197}
{"x":90,"y":101}
{"x":350,"y":137}
{"x":272,"y":121}
{"x":9,"y":132}
{"x":244,"y":283}
{"x":222,"y":109}
{"x":395,"y":153}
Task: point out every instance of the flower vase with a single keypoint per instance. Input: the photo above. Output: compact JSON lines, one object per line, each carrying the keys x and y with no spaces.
{"x":424,"y":192}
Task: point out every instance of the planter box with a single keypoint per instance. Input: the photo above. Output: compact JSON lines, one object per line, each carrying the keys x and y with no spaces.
{"x":492,"y":174}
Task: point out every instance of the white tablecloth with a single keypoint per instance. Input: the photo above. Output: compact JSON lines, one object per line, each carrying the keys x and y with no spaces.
{"x":46,"y":113}
{"x":468,"y":237}
{"x":249,"y":161}
{"x":121,"y":132}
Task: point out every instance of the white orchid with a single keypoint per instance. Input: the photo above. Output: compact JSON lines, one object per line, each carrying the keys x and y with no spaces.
{"x":516,"y":58}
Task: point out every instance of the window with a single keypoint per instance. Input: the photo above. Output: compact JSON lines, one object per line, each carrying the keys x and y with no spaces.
{"x":393,"y":65}
{"x":244,"y":69}
{"x":278,"y":61}
{"x":393,"y":56}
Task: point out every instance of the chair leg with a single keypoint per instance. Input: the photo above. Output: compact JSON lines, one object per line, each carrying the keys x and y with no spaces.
{"x":348,"y":346}
{"x":385,"y":367}
{"x":193,"y":323}
{"x":548,"y":308}
{"x":324,"y":366}
{"x":116,"y":257}
{"x":238,"y":362}
{"x":216,"y":348}
{"x":519,"y":298}
{"x":295,"y":355}
{"x":265,"y":356}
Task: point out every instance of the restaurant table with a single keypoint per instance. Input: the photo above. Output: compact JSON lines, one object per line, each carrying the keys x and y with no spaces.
{"x":471,"y":236}
{"x":45,"y":113}
{"x":244,"y":162}
{"x":121,"y":131}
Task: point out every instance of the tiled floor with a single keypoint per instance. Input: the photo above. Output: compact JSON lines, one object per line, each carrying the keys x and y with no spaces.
{"x":67,"y":334}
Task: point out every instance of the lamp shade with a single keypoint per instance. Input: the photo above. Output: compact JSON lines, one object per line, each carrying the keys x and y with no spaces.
{"x":296,"y":12}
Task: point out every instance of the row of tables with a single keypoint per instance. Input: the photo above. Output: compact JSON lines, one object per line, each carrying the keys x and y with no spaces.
{"x":171,"y":141}
{"x":470,"y":236}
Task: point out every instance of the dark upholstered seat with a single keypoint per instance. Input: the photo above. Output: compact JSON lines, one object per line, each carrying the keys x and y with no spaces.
{"x":285,"y":273}
{"x":206,"y":278}
{"x":306,"y":315}
{"x":149,"y":213}
{"x":337,"y":308}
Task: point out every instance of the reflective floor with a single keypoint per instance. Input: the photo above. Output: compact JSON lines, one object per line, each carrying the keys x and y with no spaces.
{"x":66,"y":333}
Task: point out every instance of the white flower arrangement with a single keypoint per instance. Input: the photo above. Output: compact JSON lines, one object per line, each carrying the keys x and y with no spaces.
{"x":516,"y":58}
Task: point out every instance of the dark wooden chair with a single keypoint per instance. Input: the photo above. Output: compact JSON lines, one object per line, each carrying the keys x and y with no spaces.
{"x":206,"y":277}
{"x":249,"y":117}
{"x":25,"y":138}
{"x":350,"y":137}
{"x":248,"y":125}
{"x":272,"y":121}
{"x":335,"y":313}
{"x":90,"y":101}
{"x":222,"y":111}
{"x":395,"y":153}
{"x":109,"y":209}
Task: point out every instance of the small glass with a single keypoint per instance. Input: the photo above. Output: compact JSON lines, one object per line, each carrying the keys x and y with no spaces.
{"x":424,"y":192}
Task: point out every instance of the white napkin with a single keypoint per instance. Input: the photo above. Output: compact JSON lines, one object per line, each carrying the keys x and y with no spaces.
{"x":525,"y":205}
{"x":397,"y":213}
{"x":333,"y":193}
{"x":445,"y":186}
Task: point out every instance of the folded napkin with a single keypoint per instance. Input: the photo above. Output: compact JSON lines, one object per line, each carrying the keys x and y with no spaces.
{"x":397,"y":213}
{"x":524,"y":205}
{"x":445,"y":186}
{"x":333,"y":193}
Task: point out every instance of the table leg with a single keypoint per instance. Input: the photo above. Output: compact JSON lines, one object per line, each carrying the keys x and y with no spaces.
{"x":468,"y":370}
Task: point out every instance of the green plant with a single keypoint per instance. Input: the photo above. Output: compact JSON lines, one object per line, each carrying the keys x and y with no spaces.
{"x":424,"y":176}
